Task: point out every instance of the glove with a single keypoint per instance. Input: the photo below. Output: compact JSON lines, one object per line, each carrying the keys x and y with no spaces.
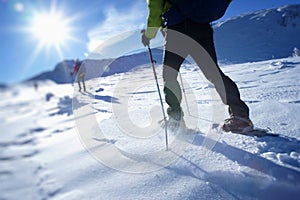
{"x":145,"y":40}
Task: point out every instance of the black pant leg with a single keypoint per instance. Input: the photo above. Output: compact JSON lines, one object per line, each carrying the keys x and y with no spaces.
{"x":171,"y":65}
{"x":172,"y":90}
{"x":226,"y":88}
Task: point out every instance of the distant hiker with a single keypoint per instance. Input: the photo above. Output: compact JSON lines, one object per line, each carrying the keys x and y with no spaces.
{"x":192,"y":18}
{"x":80,"y":70}
{"x":35,"y":85}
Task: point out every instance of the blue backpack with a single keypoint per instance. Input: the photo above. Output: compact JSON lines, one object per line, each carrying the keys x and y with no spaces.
{"x":201,"y":11}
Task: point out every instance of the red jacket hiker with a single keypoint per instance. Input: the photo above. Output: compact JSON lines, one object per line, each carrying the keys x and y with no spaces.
{"x":80,"y":70}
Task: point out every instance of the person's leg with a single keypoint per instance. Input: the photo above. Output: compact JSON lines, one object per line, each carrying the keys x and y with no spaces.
{"x":83,"y":82}
{"x":171,"y":66}
{"x":172,"y":90}
{"x":239,"y":112}
{"x":225,"y":87}
{"x":78,"y":81}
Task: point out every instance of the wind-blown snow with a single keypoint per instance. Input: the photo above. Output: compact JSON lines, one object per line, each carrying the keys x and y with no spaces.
{"x":42,"y":155}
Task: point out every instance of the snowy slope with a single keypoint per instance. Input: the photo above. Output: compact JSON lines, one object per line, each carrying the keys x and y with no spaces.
{"x":256,"y":36}
{"x":261,"y":35}
{"x":96,"y":68}
{"x":61,"y":72}
{"x":44,"y":139}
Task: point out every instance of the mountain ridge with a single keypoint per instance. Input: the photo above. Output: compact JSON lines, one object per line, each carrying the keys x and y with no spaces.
{"x":256,"y":36}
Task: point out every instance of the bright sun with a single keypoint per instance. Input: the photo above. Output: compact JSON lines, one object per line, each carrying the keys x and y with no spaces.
{"x":50,"y":29}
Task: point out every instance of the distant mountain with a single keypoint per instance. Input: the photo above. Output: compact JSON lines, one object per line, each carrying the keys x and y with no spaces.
{"x":3,"y":86}
{"x":60,"y":74}
{"x":98,"y":68}
{"x":62,"y":71}
{"x":126,"y":63}
{"x":256,"y":36}
{"x":261,"y":35}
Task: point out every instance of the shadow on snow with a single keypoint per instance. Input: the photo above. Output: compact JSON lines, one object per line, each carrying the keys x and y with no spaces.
{"x":284,"y":180}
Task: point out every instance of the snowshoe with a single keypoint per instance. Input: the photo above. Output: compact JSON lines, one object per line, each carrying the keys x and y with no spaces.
{"x":244,"y":126}
{"x":237,"y":124}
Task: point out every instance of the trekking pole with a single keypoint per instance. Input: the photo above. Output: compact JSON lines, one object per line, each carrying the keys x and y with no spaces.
{"x":183,"y":90}
{"x":159,"y":93}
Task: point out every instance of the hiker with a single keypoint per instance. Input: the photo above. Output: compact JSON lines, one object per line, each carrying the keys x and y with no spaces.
{"x":169,"y":15}
{"x":80,"y":70}
{"x":36,"y":86}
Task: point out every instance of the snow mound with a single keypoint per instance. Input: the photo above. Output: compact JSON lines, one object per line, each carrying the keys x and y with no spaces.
{"x":261,"y":35}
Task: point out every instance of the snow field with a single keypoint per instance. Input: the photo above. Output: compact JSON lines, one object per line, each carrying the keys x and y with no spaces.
{"x":43,"y":155}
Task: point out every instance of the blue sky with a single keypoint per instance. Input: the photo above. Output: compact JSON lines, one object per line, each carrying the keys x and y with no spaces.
{"x":24,"y":52}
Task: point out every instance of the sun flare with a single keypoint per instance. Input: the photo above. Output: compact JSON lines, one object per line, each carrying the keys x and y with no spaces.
{"x":50,"y":29}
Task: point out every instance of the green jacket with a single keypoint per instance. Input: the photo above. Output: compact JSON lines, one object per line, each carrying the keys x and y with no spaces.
{"x":155,"y":20}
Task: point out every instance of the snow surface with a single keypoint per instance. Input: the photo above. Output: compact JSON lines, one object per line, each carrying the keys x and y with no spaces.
{"x":57,"y":143}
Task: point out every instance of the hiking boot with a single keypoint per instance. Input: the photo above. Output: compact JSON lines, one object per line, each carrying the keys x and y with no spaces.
{"x":237,"y":124}
{"x":175,"y":113}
